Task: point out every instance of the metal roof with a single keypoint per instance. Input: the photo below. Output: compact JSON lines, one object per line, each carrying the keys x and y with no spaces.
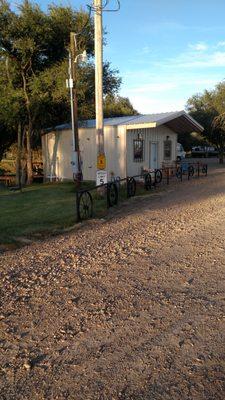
{"x":157,"y":119}
{"x":131,"y":119}
{"x":90,"y":123}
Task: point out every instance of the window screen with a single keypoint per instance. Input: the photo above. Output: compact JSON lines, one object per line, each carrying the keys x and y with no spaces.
{"x":167,"y":150}
{"x":138,"y":150}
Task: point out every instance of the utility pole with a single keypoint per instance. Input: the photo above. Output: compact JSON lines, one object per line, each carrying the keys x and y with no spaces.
{"x":101,"y":161}
{"x":76,"y":162}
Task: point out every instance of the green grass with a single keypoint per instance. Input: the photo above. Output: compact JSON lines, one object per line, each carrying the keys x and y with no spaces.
{"x":38,"y":209}
{"x":44,"y":209}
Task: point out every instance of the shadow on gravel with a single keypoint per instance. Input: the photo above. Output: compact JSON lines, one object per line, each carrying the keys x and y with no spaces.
{"x":176,"y":194}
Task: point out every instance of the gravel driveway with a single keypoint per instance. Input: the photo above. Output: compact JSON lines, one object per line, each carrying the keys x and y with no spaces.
{"x":132,"y":307}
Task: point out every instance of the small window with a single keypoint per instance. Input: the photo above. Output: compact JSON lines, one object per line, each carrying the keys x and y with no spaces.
{"x":167,"y":150}
{"x":138,"y":150}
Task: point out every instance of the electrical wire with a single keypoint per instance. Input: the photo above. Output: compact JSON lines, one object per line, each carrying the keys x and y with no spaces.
{"x":96,"y":9}
{"x":115,"y":9}
{"x":106,"y":3}
{"x":103,"y":8}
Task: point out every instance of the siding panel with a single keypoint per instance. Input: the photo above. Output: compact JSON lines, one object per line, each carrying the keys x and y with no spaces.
{"x":57,"y":150}
{"x":149,"y":135}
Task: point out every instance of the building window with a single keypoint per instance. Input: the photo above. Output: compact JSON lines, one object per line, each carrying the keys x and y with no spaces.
{"x":138,"y":150}
{"x":167,"y":150}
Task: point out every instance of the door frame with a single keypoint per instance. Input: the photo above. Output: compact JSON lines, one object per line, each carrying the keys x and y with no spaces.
{"x":157,"y":152}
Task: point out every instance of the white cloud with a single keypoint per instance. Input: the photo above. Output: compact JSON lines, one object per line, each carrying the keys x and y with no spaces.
{"x":145,"y":50}
{"x":165,"y":91}
{"x":154,"y":87}
{"x":148,"y":105}
{"x":200,"y":46}
{"x":220,"y":44}
{"x":166,"y":84}
{"x":193,"y":59}
{"x":213,"y":60}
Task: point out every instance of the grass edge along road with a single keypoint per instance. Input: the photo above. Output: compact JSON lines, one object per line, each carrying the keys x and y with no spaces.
{"x":40,"y":210}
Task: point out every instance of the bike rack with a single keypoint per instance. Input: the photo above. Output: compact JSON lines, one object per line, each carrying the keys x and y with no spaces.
{"x":148,"y":179}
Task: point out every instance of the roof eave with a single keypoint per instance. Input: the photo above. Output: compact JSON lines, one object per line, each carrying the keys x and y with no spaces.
{"x":197,"y":127}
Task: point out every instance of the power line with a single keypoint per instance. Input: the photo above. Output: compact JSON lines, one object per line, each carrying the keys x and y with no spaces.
{"x":115,"y":9}
{"x":103,"y":8}
{"x":93,"y":8}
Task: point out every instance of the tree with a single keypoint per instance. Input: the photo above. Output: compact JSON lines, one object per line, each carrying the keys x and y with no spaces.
{"x":11,"y":106}
{"x":208,"y":109}
{"x":117,"y":106}
{"x":33,"y":41}
{"x":34,"y":62}
{"x":218,"y":133}
{"x":50,"y":100}
{"x":202,"y":108}
{"x":189,"y":140}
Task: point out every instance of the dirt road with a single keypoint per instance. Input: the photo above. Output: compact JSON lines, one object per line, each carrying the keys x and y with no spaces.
{"x":128,"y":308}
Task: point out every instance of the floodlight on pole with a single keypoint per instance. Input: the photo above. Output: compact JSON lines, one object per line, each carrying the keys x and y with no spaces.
{"x":83,"y":57}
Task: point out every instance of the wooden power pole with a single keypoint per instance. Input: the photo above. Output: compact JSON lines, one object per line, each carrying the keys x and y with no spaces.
{"x":101,"y":161}
{"x":76,"y":162}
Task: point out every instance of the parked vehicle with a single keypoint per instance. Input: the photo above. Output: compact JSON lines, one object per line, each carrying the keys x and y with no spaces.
{"x":180,"y":152}
{"x":204,"y":151}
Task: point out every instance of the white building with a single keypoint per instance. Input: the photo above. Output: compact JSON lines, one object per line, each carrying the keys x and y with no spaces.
{"x":132,"y":143}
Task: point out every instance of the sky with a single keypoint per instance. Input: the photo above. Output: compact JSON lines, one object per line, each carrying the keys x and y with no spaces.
{"x":166,"y":51}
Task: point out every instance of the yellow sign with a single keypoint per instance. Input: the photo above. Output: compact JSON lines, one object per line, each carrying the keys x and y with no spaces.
{"x":101,"y":161}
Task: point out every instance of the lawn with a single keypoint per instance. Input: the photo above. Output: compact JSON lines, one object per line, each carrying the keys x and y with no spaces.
{"x":44,"y":209}
{"x":39,"y":209}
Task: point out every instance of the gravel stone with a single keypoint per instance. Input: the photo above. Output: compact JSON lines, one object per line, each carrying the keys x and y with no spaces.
{"x":129,"y":307}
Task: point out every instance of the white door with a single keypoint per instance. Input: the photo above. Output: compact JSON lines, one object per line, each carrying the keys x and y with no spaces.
{"x":153,"y":155}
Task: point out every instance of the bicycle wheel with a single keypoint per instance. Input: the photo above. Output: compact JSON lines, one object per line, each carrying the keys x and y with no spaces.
{"x":85,"y":206}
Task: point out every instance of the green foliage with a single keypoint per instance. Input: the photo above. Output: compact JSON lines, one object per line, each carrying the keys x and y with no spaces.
{"x":202,"y":108}
{"x":11,"y":106}
{"x":86,"y":88}
{"x":34,"y":67}
{"x":50,"y":98}
{"x":208,"y":109}
{"x":116,"y":106}
{"x":218,"y":131}
{"x":189,"y":140}
{"x":33,"y":52}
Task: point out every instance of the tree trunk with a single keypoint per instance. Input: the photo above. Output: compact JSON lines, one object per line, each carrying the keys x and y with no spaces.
{"x":28,"y":131}
{"x":23,"y":160}
{"x":19,"y":155}
{"x":29,"y":157}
